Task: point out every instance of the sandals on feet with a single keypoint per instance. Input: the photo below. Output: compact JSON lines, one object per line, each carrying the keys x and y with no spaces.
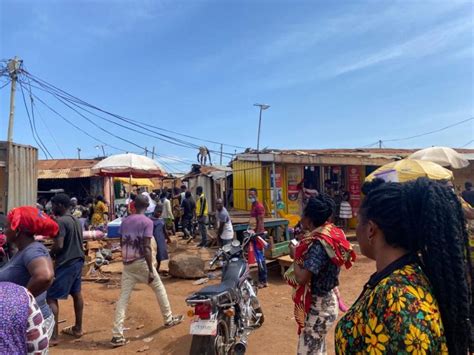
{"x":119,"y":341}
{"x":175,"y":320}
{"x":71,"y":332}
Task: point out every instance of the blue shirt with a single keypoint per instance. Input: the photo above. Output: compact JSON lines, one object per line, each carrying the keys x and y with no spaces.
{"x":16,"y":271}
{"x":325,"y":274}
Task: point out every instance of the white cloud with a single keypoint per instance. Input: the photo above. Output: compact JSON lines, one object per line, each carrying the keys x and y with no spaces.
{"x":427,"y":43}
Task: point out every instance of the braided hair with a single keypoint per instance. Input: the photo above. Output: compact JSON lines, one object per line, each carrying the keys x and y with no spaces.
{"x":426,"y":218}
{"x":319,"y":209}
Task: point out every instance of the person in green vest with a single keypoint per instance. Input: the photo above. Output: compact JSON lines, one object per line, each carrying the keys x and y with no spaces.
{"x":201,"y":214}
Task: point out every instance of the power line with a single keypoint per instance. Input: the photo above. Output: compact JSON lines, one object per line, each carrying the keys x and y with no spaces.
{"x":77,"y":127}
{"x":60,"y":91}
{"x":50,"y":133}
{"x":34,"y":132}
{"x":1,"y":87}
{"x":431,"y":132}
{"x":468,"y":143}
{"x":74,"y":101}
{"x":33,"y":105}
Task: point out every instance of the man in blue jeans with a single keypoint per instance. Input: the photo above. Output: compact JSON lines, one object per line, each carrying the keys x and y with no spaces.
{"x":68,"y":254}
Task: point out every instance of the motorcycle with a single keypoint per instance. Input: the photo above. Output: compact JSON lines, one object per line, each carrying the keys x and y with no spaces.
{"x":224,"y":315}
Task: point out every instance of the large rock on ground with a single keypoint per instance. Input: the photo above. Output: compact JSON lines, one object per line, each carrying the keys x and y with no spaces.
{"x":186,"y":266}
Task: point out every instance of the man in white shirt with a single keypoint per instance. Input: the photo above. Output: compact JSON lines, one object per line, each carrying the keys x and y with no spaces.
{"x":167,"y":211}
{"x":225,"y":232}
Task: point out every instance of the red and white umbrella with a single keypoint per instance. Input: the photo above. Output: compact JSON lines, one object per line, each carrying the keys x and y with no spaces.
{"x":129,"y":165}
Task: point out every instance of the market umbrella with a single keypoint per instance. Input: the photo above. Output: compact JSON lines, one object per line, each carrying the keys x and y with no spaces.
{"x":129,"y":165}
{"x":410,"y":169}
{"x":135,"y":181}
{"x":443,"y":156}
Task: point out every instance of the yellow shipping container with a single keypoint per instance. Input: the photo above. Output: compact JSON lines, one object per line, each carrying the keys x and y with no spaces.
{"x":246,"y":174}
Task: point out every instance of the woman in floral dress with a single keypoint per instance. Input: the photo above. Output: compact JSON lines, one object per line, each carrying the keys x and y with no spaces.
{"x":100,"y":208}
{"x":418,"y":301}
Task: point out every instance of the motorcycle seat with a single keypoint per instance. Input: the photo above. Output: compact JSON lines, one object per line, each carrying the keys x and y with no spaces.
{"x":213,"y":290}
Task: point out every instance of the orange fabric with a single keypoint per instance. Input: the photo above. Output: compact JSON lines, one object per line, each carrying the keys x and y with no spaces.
{"x":31,"y":220}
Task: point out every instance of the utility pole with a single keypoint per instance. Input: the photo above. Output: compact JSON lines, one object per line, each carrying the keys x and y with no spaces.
{"x":13,"y":68}
{"x":222,"y":147}
{"x":153,"y":153}
{"x":262,"y":107}
{"x":380,"y":144}
{"x":103,"y":150}
{"x":78,"y":153}
{"x":146,"y":151}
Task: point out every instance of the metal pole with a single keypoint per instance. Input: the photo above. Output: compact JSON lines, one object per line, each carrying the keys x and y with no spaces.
{"x":146,"y":151}
{"x":153,"y":153}
{"x":222,"y":147}
{"x":259,"y":126}
{"x":380,"y":144}
{"x":78,"y":153}
{"x":13,"y":66}
{"x":103,"y":150}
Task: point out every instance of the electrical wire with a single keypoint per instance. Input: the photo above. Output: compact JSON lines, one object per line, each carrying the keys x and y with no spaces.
{"x":468,"y":143}
{"x":431,"y":132}
{"x":1,"y":87}
{"x":61,"y":92}
{"x":63,"y":98}
{"x":34,"y":132}
{"x":33,"y":105}
{"x":371,"y":145}
{"x":77,"y":127}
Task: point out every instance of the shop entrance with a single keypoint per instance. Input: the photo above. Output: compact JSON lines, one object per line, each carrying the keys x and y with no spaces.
{"x":312,"y":178}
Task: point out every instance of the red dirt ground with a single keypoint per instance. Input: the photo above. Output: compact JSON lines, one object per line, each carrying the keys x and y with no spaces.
{"x":277,"y":335}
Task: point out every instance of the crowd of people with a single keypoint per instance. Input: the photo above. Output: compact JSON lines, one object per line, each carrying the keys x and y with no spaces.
{"x":419,"y":300}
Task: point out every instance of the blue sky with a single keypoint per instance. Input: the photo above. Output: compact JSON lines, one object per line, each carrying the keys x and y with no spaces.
{"x":337,"y":74}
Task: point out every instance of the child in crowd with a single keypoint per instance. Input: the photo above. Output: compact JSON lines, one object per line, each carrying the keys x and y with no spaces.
{"x":160,"y":234}
{"x":345,"y":212}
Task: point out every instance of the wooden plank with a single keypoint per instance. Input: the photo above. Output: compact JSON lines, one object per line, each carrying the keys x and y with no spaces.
{"x":94,"y":244}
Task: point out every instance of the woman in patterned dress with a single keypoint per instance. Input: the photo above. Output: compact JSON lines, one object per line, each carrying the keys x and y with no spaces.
{"x":100,"y":210}
{"x":22,"y":329}
{"x":418,"y":301}
{"x":315,"y":274}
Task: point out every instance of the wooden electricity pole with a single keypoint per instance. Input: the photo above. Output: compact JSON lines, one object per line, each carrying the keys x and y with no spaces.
{"x":13,"y":68}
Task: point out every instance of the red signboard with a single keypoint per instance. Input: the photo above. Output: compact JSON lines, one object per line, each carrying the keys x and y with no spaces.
{"x":354,"y":189}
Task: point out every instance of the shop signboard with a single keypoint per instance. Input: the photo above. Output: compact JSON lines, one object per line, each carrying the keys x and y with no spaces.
{"x":294,"y":198}
{"x":278,"y":183}
{"x":354,"y":189}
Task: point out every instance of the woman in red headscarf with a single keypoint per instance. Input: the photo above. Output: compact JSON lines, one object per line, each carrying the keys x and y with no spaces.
{"x":31,"y":266}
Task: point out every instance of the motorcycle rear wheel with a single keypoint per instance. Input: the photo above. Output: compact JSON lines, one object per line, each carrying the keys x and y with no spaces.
{"x":211,"y":344}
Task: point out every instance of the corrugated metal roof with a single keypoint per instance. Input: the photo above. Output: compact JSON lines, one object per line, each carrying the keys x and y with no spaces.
{"x":66,"y":168}
{"x":372,"y":153}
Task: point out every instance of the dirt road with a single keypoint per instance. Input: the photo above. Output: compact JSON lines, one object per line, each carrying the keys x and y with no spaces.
{"x":277,"y":336}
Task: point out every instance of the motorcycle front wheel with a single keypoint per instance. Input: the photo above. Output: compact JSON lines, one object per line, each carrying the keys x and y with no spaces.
{"x":211,"y":344}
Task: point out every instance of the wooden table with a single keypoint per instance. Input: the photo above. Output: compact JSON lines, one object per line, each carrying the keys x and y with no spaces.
{"x":278,"y":232}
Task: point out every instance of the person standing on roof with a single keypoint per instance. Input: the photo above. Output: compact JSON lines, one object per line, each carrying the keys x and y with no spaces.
{"x":201,"y":213}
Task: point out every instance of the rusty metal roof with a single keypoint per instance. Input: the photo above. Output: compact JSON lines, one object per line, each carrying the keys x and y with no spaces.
{"x":65,"y":168}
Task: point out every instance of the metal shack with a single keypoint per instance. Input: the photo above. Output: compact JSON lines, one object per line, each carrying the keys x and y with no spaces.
{"x":18,"y":175}
{"x":278,"y":175}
